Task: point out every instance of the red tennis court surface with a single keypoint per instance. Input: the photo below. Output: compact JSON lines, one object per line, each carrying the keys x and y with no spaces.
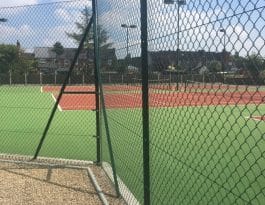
{"x":170,"y":99}
{"x":258,"y":118}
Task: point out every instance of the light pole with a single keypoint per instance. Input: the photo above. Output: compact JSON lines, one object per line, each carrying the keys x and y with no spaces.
{"x":222,"y":30}
{"x":127,"y":35}
{"x":179,"y":3}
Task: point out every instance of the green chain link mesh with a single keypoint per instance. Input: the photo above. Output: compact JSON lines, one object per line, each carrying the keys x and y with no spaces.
{"x":37,"y":46}
{"x":206,"y":94}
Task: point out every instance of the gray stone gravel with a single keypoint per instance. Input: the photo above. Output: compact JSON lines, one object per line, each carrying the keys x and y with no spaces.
{"x":25,"y":184}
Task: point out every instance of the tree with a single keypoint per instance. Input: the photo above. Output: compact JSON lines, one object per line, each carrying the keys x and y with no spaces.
{"x":81,"y":27}
{"x":104,"y":45}
{"x":254,"y":64}
{"x":9,"y":58}
{"x":58,"y":49}
{"x":238,"y":61}
{"x":215,"y":66}
{"x":27,"y":65}
{"x":262,"y":75}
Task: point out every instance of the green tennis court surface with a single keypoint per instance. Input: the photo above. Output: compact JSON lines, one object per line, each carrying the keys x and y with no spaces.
{"x":214,"y":146}
{"x":24,"y":115}
{"x":220,"y":146}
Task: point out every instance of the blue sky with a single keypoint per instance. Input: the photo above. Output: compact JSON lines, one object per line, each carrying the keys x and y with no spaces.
{"x":39,"y":23}
{"x":200,"y":22}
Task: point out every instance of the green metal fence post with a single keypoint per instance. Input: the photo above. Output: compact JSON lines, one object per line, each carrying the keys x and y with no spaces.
{"x":145,"y":103}
{"x":96,"y":66}
{"x":102,"y":101}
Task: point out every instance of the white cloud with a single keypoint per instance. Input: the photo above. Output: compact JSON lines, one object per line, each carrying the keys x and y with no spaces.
{"x":199,"y":27}
{"x":12,"y":3}
{"x":18,"y":32}
{"x":63,"y":14}
{"x":58,"y":33}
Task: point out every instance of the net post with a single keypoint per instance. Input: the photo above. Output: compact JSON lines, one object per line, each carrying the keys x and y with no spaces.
{"x":145,"y":102}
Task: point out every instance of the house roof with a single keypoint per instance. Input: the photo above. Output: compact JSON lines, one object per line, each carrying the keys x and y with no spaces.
{"x":47,"y":53}
{"x":44,"y":52}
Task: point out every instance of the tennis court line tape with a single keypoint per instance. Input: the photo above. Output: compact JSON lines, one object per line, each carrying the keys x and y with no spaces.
{"x":253,"y":118}
{"x":59,"y":107}
{"x":126,"y":194}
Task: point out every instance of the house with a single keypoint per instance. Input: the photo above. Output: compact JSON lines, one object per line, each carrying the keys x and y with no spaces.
{"x":46,"y":59}
{"x":48,"y":62}
{"x":189,"y":61}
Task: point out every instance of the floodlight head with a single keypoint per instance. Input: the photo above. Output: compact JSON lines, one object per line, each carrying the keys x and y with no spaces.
{"x":169,"y":1}
{"x":133,"y":26}
{"x":179,"y":2}
{"x":222,"y":30}
{"x":3,"y":20}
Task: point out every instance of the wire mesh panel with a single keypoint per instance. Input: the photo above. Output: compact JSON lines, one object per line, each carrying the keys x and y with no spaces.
{"x":119,"y":45}
{"x":207,"y":125}
{"x":206,"y":98}
{"x":38,"y":43}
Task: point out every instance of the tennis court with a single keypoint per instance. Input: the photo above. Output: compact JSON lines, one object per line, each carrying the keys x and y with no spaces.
{"x":225,"y":165}
{"x":128,"y":96}
{"x":24,"y":114}
{"x":71,"y":133}
{"x":165,"y":98}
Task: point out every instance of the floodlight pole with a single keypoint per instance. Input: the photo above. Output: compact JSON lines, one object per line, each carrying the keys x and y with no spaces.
{"x":178,"y":50}
{"x":127,"y":35}
{"x":222,"y":30}
{"x":179,"y":2}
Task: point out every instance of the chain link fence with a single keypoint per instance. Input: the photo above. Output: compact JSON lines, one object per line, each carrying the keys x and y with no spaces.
{"x":37,"y":45}
{"x":206,"y":99}
{"x":200,"y":140}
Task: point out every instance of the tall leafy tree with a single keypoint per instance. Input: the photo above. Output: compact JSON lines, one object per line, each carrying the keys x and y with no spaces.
{"x":254,"y":64}
{"x":13,"y":59}
{"x":9,"y":57}
{"x":81,"y":26}
{"x":58,"y":49}
{"x":215,"y":66}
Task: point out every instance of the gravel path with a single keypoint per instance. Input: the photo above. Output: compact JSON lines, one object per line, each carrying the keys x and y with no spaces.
{"x":34,"y":184}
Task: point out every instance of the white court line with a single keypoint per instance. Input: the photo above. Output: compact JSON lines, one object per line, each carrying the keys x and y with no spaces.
{"x":253,"y":118}
{"x":59,"y":107}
